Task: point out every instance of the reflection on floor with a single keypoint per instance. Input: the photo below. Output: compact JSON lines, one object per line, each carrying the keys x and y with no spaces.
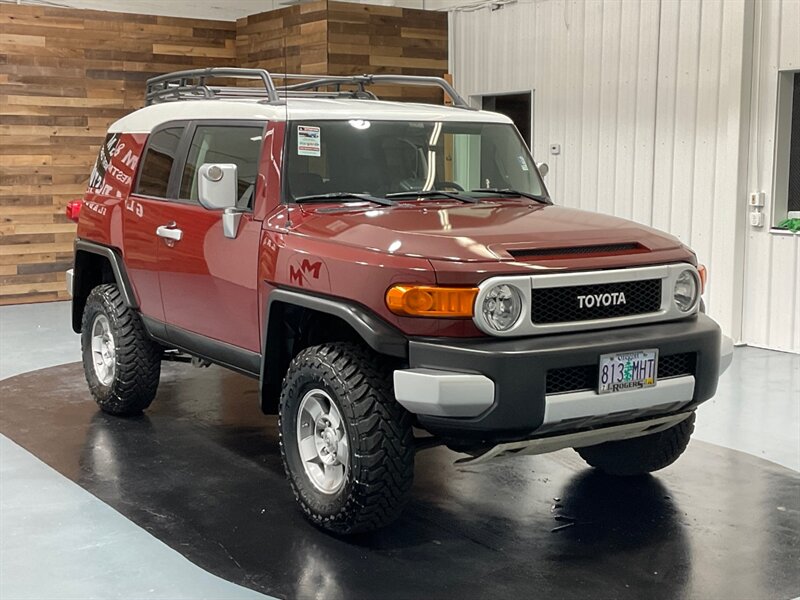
{"x":201,"y":472}
{"x":52,"y":526}
{"x":756,"y":410}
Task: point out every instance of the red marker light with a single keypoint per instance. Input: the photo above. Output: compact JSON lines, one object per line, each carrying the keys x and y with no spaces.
{"x":74,"y":210}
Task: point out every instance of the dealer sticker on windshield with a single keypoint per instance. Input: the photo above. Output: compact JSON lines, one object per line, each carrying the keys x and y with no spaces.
{"x":308,"y":141}
{"x":623,"y":371}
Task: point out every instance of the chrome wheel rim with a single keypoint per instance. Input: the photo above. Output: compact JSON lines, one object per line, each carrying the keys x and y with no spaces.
{"x":104,"y":352}
{"x":322,"y":442}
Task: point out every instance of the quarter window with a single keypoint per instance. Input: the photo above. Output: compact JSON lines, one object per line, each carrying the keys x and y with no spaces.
{"x":786,"y":210}
{"x":162,"y":148}
{"x":238,"y":145}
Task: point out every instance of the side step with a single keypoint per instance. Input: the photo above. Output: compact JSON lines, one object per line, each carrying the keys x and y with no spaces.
{"x":575,"y":440}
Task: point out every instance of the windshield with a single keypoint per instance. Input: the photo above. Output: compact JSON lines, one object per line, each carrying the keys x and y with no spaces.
{"x":387,"y":157}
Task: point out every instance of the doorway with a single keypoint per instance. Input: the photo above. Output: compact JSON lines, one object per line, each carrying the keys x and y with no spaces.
{"x":518,"y":107}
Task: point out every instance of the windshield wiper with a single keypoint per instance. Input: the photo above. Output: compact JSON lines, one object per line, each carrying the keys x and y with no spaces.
{"x":510,"y":192}
{"x":431,"y":193}
{"x":343,"y":196}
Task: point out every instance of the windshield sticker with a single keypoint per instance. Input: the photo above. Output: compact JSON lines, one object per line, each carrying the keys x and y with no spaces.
{"x":522,"y":162}
{"x":308,"y":141}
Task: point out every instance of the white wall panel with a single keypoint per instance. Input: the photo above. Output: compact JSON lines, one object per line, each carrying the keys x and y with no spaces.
{"x":647,"y":100}
{"x":772,"y":276}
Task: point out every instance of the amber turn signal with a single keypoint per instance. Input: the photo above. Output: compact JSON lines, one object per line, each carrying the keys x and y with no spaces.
{"x":703,"y":272}
{"x":431,"y":301}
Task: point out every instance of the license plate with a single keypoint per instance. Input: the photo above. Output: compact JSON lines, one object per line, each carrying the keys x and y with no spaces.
{"x":623,"y":371}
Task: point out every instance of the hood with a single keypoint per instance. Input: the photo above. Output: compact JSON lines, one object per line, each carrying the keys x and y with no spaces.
{"x":488,"y":231}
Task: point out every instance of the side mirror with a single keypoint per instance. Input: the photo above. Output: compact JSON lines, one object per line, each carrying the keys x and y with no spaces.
{"x":543,"y":169}
{"x":217,"y":186}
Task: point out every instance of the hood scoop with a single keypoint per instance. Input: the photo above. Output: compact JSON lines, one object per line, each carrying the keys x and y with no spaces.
{"x":582,"y":251}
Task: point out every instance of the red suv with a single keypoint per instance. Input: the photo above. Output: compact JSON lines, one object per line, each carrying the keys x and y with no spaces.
{"x":395,"y":275}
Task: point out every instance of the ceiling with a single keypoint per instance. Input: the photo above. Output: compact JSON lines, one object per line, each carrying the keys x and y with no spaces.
{"x":221,"y":10}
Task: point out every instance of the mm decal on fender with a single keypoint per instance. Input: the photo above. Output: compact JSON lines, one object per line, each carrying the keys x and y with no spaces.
{"x":308,"y":272}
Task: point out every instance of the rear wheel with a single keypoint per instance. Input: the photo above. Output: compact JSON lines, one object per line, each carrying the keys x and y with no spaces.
{"x":641,"y":455}
{"x":121,"y":363}
{"x":347,"y":445}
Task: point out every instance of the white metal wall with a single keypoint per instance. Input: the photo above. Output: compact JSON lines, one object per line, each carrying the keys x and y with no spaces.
{"x":650,"y":102}
{"x":772,"y":275}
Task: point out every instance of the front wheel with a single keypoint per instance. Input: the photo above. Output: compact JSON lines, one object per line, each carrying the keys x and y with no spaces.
{"x":641,"y":455}
{"x":347,"y":445}
{"x":122,"y":364}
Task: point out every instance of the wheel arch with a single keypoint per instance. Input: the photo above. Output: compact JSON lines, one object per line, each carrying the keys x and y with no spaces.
{"x":95,"y":265}
{"x":295,"y":320}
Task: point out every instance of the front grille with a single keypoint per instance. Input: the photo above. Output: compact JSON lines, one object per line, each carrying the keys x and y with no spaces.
{"x":595,"y":250}
{"x":597,"y":301}
{"x":584,"y":377}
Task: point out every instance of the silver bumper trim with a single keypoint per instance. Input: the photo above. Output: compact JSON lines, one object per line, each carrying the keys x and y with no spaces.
{"x":668,"y":274}
{"x":70,"y":277}
{"x":576,"y":405}
{"x":576,"y":440}
{"x":443,"y":393}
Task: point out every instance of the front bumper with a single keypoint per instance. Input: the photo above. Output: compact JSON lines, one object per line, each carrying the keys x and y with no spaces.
{"x":492,"y":389}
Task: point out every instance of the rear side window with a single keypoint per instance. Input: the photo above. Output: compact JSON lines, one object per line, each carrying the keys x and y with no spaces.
{"x":162,"y":149}
{"x":238,"y":145}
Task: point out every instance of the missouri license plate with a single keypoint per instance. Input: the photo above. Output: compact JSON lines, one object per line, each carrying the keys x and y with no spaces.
{"x":623,"y":371}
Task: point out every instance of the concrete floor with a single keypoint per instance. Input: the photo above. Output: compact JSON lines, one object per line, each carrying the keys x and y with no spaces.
{"x":756,"y":409}
{"x":48,"y":520}
{"x":87,"y":549}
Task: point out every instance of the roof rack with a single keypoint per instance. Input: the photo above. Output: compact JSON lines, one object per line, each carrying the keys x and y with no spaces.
{"x":193,"y":85}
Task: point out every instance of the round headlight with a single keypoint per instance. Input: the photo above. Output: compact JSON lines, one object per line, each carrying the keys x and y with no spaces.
{"x":502,"y":307}
{"x":686,"y":289}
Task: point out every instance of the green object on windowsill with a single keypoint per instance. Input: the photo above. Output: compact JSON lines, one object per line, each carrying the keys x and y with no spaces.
{"x":790,"y":224}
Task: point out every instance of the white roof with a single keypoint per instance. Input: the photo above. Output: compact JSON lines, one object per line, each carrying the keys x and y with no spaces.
{"x":302,"y":109}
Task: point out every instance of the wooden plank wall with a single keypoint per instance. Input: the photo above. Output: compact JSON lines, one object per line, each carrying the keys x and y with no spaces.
{"x":65,"y":75}
{"x":300,"y":29}
{"x":385,"y":39}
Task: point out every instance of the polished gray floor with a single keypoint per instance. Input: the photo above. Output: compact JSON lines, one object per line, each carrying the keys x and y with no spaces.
{"x":59,"y":541}
{"x":35,"y":336}
{"x":756,"y":410}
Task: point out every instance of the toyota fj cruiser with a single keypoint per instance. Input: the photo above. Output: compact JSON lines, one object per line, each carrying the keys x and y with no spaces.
{"x":395,"y":275}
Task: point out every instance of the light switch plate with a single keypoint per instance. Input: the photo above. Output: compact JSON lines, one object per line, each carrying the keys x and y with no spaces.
{"x":756,"y":199}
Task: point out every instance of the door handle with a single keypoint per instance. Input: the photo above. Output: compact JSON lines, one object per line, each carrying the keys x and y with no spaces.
{"x":169,"y":232}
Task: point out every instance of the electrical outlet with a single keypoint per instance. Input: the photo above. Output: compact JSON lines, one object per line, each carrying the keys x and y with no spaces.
{"x":756,"y":199}
{"x":757,"y":218}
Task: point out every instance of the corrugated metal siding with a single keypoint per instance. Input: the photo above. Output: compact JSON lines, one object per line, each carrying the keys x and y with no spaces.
{"x":772,"y":275}
{"x":647,"y":100}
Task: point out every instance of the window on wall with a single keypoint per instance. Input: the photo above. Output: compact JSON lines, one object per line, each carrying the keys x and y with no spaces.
{"x":794,"y":149}
{"x":238,"y":145}
{"x":787,"y":154}
{"x":162,"y":148}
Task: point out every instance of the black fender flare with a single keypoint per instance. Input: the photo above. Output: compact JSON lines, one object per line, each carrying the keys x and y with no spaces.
{"x":117,"y":268}
{"x":376,"y":333}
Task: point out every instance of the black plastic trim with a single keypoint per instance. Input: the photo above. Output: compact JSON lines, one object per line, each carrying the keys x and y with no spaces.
{"x":519,"y":367}
{"x":220,"y":353}
{"x":376,"y":333}
{"x":379,"y":335}
{"x":117,"y":266}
